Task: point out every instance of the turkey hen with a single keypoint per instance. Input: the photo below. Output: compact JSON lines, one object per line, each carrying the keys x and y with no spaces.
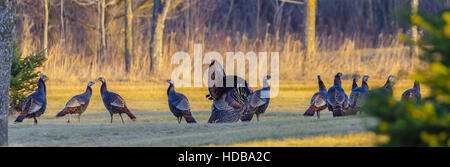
{"x":412,"y":95}
{"x":229,"y":94}
{"x":77,"y":104}
{"x":337,"y":100}
{"x":36,"y":103}
{"x":114,"y":103}
{"x":386,"y":90}
{"x":318,"y":101}
{"x":179,"y":105}
{"x":359,"y":96}
{"x":258,"y":102}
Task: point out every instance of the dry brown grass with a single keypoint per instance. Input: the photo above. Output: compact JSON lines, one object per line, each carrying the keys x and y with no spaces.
{"x":377,"y":63}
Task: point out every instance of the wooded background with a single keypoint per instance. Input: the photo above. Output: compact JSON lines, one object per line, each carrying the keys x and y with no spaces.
{"x":116,"y":38}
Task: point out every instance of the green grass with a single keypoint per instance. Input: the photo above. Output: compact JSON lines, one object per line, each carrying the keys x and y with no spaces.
{"x":161,"y":129}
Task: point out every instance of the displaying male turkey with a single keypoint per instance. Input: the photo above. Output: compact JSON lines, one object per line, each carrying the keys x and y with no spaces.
{"x":114,"y":103}
{"x":77,"y":104}
{"x":337,"y":100}
{"x":355,"y":85}
{"x":179,"y":105}
{"x":359,"y":95}
{"x":258,"y":102}
{"x":36,"y":103}
{"x":386,"y":90}
{"x":229,"y":94}
{"x":412,"y":95}
{"x":318,"y":101}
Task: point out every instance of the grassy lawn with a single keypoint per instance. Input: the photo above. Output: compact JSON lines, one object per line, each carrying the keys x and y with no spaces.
{"x":156,"y":126}
{"x":161,"y":129}
{"x":365,"y":139}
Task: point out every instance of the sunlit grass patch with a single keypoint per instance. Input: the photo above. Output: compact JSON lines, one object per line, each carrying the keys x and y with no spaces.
{"x":367,"y":139}
{"x":161,"y":129}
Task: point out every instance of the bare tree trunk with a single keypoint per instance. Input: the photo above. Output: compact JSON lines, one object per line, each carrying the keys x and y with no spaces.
{"x":276,"y":22}
{"x":104,"y":44}
{"x":187,"y":25}
{"x":101,"y":5}
{"x":414,"y":35}
{"x":310,"y":29}
{"x":46,"y":28}
{"x":128,"y":34}
{"x":158,"y":19}
{"x":62,"y":31}
{"x":310,"y":33}
{"x":258,"y":12}
{"x":7,"y":20}
{"x":99,"y":33}
{"x":227,"y":18}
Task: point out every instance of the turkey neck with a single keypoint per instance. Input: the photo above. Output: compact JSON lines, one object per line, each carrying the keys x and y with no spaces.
{"x":171,"y":89}
{"x":41,"y":86}
{"x":364,"y":84}
{"x":266,"y":85}
{"x":387,"y":84}
{"x":417,"y":85}
{"x":88,"y":91}
{"x":103,"y":88}
{"x":322,"y":86}
{"x":355,"y":85}
{"x":337,"y":81}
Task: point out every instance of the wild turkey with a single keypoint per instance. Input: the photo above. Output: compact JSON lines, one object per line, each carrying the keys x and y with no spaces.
{"x":114,"y":103}
{"x":36,"y":103}
{"x":412,"y":95}
{"x":354,"y":85}
{"x":337,"y":100}
{"x":258,"y":102}
{"x":179,"y":105}
{"x":386,"y":90}
{"x":77,"y":104}
{"x":359,"y":95}
{"x":229,"y":100}
{"x":318,"y":101}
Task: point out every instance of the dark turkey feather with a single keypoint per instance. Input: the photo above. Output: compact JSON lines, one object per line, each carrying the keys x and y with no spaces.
{"x":358,"y":96}
{"x":354,"y":85}
{"x":35,"y":104}
{"x":386,"y":90}
{"x":114,"y":103}
{"x":337,"y":100}
{"x":412,"y":95}
{"x":179,"y":105}
{"x":77,"y":104}
{"x":318,"y":101}
{"x":229,"y":94}
{"x":258,"y":102}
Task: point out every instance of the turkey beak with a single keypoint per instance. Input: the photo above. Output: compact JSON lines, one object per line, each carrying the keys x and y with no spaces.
{"x":45,"y":78}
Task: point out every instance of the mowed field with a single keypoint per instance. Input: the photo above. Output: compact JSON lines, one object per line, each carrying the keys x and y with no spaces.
{"x":156,"y":126}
